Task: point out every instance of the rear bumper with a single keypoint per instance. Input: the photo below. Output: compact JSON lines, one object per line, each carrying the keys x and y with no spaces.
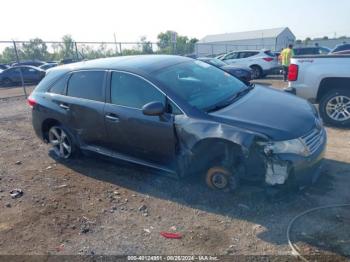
{"x":37,"y":124}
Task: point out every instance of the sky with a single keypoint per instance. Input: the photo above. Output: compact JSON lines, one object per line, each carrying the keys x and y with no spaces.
{"x":99,"y":20}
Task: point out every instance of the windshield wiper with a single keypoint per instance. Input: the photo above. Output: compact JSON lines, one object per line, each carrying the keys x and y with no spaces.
{"x":231,"y":99}
{"x":245,"y":90}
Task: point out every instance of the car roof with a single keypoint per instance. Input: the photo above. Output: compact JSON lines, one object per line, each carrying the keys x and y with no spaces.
{"x":144,"y":63}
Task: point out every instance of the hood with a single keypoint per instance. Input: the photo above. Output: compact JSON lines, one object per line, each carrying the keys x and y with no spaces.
{"x":274,"y":113}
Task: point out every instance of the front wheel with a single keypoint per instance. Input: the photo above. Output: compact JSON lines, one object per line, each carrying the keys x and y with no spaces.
{"x":61,"y":142}
{"x":220,"y":178}
{"x":335,"y":108}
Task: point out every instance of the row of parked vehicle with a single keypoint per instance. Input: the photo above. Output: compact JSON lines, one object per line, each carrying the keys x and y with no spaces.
{"x":32,"y":72}
{"x":264,"y":62}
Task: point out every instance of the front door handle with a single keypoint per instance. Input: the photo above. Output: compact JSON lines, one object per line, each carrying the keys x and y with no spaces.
{"x":112,"y":117}
{"x":64,"y":106}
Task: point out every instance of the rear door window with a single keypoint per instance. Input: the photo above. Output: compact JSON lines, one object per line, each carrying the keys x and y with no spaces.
{"x":87,"y":85}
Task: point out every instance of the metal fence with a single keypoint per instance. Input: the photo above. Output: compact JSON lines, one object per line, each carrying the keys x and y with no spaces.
{"x":37,"y":49}
{"x":14,"y":53}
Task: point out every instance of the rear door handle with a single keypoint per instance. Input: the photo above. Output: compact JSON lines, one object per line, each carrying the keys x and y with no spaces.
{"x":64,"y":106}
{"x":112,"y":117}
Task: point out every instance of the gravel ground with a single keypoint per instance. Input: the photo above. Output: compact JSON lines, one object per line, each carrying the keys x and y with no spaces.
{"x":95,"y":206}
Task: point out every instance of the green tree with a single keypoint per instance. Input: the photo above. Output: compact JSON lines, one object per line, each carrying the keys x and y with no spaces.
{"x":325,"y":38}
{"x":67,"y":48}
{"x":164,"y":39}
{"x":145,"y":46}
{"x":184,"y":45}
{"x":9,"y":55}
{"x":35,"y":49}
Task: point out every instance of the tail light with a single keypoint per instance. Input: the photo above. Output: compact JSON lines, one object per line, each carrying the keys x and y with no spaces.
{"x":31,"y":102}
{"x":293,"y":72}
{"x":268,"y":59}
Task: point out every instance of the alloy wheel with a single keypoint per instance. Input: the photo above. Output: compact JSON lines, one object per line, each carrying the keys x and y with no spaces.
{"x":338,"y":108}
{"x":60,"y":142}
{"x":255,"y":72}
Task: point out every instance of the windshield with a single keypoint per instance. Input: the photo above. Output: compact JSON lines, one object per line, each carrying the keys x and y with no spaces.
{"x":201,"y":85}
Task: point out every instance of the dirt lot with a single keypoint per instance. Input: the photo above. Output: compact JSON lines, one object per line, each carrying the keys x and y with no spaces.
{"x":95,"y":206}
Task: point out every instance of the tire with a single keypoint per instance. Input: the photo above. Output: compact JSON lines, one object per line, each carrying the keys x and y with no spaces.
{"x":256,"y":72}
{"x":62,"y":142}
{"x":335,"y":108}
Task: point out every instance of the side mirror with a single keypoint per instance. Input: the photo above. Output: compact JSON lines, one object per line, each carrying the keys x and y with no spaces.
{"x":155,"y":108}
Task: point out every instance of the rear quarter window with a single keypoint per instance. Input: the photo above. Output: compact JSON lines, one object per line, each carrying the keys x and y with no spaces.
{"x":48,"y":80}
{"x":59,"y":87}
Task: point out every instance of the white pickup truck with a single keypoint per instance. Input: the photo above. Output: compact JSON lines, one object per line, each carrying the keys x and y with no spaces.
{"x":323,"y":80}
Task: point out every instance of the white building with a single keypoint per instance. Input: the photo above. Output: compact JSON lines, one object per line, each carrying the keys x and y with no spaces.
{"x":274,"y":39}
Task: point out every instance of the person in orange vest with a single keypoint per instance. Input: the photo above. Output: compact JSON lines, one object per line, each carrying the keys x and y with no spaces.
{"x":285,"y":57}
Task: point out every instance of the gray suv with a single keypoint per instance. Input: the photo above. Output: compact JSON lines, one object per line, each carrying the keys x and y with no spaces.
{"x":182,"y":116}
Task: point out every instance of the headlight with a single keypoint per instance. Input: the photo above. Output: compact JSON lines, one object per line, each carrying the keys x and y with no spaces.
{"x":294,"y":146}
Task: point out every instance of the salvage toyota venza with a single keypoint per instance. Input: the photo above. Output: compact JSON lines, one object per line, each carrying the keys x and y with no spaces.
{"x":181,"y":116}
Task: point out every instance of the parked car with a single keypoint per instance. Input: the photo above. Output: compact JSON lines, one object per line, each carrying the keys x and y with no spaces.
{"x":48,"y":66}
{"x":3,"y":66}
{"x":316,"y":50}
{"x":261,"y":62}
{"x":341,"y":48}
{"x":12,"y":76}
{"x":67,"y":61}
{"x":324,"y":80}
{"x":29,"y":63}
{"x":181,"y":116}
{"x":345,"y":52}
{"x":220,"y":56}
{"x":244,"y":74}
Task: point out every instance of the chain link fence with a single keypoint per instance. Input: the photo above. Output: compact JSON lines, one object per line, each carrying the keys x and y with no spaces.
{"x":17,"y":56}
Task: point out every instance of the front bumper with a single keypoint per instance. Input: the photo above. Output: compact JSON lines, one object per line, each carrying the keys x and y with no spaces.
{"x":296,"y":169}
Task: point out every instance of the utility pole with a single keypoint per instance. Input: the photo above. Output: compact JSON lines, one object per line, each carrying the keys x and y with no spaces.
{"x":76,"y":51}
{"x":115,"y":41}
{"x":20,"y":70}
